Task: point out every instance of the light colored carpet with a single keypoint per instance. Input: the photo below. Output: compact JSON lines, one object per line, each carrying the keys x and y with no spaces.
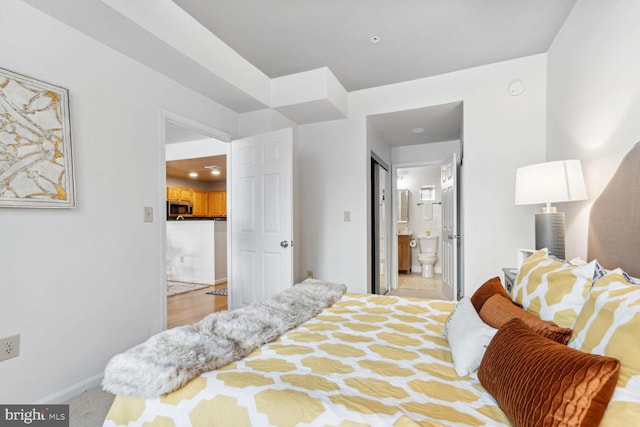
{"x":175,"y":288}
{"x":90,"y":408}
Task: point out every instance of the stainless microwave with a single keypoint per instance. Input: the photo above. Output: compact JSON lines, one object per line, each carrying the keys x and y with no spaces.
{"x":179,"y":208}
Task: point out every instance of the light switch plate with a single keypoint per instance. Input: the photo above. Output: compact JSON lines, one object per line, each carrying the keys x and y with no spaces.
{"x":147,"y":214}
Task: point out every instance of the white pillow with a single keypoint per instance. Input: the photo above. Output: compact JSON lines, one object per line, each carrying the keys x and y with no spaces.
{"x":468,"y":337}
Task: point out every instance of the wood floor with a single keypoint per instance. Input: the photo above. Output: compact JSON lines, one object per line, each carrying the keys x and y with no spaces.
{"x":190,"y":307}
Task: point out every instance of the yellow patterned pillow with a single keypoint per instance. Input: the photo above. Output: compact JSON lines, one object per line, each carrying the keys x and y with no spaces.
{"x":609,"y":325}
{"x":552,"y":289}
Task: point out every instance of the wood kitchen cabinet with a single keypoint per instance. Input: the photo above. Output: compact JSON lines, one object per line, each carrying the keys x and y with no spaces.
{"x":205,"y":203}
{"x":217,"y":203}
{"x":186,"y":194}
{"x":200,"y":203}
{"x":404,"y":253}
{"x":173,"y":193}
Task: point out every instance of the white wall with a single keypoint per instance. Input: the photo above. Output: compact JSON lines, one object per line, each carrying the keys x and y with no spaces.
{"x":435,"y":152}
{"x":80,"y":285}
{"x":221,"y":251}
{"x":332,"y":179}
{"x":191,"y":251}
{"x":593,"y":106}
{"x":378,"y":145}
{"x":501,"y":133}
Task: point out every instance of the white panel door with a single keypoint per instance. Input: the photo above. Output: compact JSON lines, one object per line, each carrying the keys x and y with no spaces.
{"x":450,"y":237}
{"x":261,"y":216}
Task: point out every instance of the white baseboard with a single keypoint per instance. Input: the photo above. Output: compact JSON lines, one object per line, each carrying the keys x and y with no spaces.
{"x":72,"y":391}
{"x":223,"y":280}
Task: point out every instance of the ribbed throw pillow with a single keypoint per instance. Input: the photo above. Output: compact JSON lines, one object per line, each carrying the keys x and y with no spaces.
{"x":541,"y":383}
{"x":552,"y":289}
{"x":488,"y":289}
{"x":609,"y":324}
{"x":498,"y":310}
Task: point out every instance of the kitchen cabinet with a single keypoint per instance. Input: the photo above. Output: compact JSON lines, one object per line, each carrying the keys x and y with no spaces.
{"x":200,"y":203}
{"x":217,"y":201}
{"x":173,"y":193}
{"x":205,"y":203}
{"x":404,"y":253}
{"x":179,"y":193}
{"x":186,"y":194}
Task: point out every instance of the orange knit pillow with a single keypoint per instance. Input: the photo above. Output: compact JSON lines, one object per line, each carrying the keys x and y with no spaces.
{"x":541,"y":383}
{"x":497,"y":311}
{"x":487,"y":290}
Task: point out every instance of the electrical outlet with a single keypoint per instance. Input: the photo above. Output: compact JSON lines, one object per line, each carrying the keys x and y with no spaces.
{"x":309,"y":274}
{"x":9,"y":347}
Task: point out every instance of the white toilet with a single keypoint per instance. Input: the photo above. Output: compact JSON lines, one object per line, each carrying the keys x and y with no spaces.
{"x":428,"y":254}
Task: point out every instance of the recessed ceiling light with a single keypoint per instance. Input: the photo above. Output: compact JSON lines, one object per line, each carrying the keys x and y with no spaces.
{"x":215,"y":170}
{"x":375,"y":39}
{"x":418,"y":131}
{"x":193,"y":174}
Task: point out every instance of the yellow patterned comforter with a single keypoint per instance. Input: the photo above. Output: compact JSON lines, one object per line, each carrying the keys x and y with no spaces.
{"x":367,"y":361}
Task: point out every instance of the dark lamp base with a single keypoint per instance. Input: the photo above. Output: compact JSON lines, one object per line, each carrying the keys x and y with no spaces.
{"x":550,"y":233}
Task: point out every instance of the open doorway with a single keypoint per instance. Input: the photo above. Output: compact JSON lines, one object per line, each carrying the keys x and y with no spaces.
{"x":414,"y":138}
{"x":427,"y":215}
{"x":196,"y":238}
{"x":419,"y":211}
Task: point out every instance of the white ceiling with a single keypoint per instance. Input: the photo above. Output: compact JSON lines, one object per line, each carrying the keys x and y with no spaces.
{"x":419,"y":38}
{"x":439,"y":123}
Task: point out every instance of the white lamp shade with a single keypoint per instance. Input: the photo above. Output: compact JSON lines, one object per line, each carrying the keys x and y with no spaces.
{"x":550,"y":182}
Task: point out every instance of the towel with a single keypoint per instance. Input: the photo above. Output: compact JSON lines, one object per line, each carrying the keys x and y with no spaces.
{"x":427,"y":211}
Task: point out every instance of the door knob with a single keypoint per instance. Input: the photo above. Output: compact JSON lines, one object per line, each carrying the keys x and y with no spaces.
{"x":284,"y":244}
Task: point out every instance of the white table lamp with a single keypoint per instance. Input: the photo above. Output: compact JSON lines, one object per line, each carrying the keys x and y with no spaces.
{"x":547,"y":183}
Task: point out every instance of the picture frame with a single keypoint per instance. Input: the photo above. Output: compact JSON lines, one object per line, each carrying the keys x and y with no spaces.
{"x":36,"y":157}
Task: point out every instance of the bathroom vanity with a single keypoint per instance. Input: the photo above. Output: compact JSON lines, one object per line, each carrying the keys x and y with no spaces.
{"x":404,"y":253}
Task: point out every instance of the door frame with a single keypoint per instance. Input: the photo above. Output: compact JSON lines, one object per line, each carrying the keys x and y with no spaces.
{"x":206,"y":130}
{"x":375,"y":223}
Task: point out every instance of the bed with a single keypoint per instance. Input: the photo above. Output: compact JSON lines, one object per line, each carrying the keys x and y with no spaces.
{"x":561,"y":349}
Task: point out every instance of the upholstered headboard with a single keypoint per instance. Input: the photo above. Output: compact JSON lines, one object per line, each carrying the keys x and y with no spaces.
{"x":614,"y":222}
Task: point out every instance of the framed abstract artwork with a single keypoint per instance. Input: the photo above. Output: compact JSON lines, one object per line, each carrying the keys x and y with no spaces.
{"x":36,"y":161}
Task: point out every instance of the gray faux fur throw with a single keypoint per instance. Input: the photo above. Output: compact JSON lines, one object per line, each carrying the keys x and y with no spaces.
{"x":169,"y":359}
